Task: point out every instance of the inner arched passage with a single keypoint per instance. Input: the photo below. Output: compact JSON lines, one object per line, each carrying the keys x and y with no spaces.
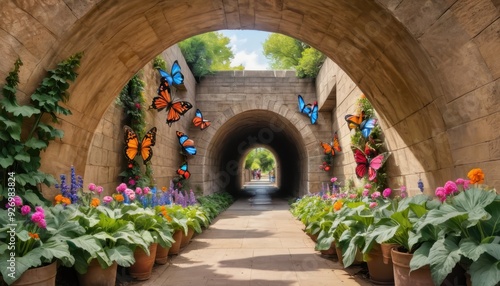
{"x":246,"y":131}
{"x":246,"y":174}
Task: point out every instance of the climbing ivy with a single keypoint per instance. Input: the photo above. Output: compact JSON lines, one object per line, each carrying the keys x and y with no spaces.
{"x":20,"y":152}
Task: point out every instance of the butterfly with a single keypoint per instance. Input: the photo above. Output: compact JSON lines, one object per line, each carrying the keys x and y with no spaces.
{"x":365,"y":125}
{"x":186,"y":143}
{"x":354,"y":121}
{"x":199,"y":121}
{"x":366,"y":165}
{"x":164,"y":101}
{"x":183,"y":171}
{"x":310,"y":109}
{"x":331,"y":148}
{"x":175,"y":77}
{"x":133,"y":146}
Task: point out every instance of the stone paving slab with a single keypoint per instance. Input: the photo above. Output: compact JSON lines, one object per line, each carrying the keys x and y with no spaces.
{"x":253,"y":245}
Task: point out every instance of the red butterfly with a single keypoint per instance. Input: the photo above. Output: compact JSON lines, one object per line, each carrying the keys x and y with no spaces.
{"x":331,"y":148}
{"x":366,"y":165}
{"x":164,"y":100}
{"x":183,"y":171}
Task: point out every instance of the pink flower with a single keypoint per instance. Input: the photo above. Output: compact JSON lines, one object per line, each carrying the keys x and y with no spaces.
{"x":387,"y":192}
{"x":92,"y":187}
{"x":441,"y":193}
{"x":131,"y":182}
{"x":373,"y":204}
{"x":138,"y":191}
{"x":466,"y":184}
{"x":460,"y":181}
{"x":368,"y":186}
{"x":37,"y":217}
{"x":366,"y":192}
{"x":25,"y":210}
{"x":404,"y":194}
{"x":450,"y":187}
{"x":107,"y":199}
{"x":121,"y":187}
{"x":40,"y":209}
{"x":131,"y":196}
{"x":42,"y":223}
{"x":146,"y":190}
{"x":375,"y":195}
{"x":333,"y":180}
{"x":99,"y":189}
{"x":138,"y":105}
{"x":353,"y":196}
{"x":18,"y":201}
{"x":403,"y":188}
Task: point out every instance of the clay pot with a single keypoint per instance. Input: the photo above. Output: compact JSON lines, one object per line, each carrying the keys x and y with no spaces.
{"x":386,"y":251}
{"x":402,"y":275}
{"x":143,"y":266}
{"x":39,"y":276}
{"x":380,"y":273}
{"x":162,"y":255}
{"x":97,"y":276}
{"x":186,"y":238}
{"x":331,"y":251}
{"x":357,"y":261}
{"x":176,"y":246}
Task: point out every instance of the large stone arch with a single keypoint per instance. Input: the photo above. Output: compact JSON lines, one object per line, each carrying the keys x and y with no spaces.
{"x":419,"y":63}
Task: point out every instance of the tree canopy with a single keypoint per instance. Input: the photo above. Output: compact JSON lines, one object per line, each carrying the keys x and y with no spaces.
{"x":288,"y":53}
{"x":260,"y":158}
{"x":208,"y":52}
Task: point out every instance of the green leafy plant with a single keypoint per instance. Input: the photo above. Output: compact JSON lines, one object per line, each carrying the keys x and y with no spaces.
{"x":20,"y":152}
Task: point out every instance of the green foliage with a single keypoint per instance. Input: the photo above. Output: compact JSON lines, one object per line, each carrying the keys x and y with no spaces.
{"x":208,"y":52}
{"x":288,"y":53}
{"x":20,"y":152}
{"x":215,"y":203}
{"x":260,"y":158}
{"x":159,"y":63}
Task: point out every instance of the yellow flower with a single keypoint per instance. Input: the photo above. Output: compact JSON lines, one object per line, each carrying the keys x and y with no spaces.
{"x":337,"y":205}
{"x":476,"y":176}
{"x":95,"y":202}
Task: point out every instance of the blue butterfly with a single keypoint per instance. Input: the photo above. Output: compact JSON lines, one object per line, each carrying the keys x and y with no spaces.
{"x":367,"y":126}
{"x":186,"y":143}
{"x":310,"y":110}
{"x":175,"y":77}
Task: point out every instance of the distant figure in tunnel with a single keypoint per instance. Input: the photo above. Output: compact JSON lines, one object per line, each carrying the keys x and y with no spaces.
{"x":258,"y":174}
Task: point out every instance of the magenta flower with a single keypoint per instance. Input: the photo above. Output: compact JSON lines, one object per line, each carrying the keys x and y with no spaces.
{"x":42,"y":223}
{"x":18,"y":201}
{"x":460,"y":181}
{"x":121,"y":187}
{"x":375,"y":195}
{"x":466,"y":184}
{"x":403,"y":188}
{"x":131,"y":196}
{"x":37,"y":217}
{"x":40,"y":209}
{"x":138,"y":191}
{"x":92,"y":187}
{"x":450,"y":187}
{"x":404,"y":194}
{"x":25,"y":210}
{"x":387,"y":192}
{"x":333,"y":180}
{"x":373,"y":204}
{"x":107,"y":199}
{"x":146,"y":190}
{"x":99,"y":189}
{"x":441,"y":193}
{"x":366,"y":192}
{"x":131,"y":182}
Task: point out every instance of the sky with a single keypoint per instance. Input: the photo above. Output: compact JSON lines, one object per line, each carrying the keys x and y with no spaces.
{"x":247,"y":48}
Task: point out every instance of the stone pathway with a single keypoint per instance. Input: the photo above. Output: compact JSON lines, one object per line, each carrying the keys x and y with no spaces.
{"x":253,"y":245}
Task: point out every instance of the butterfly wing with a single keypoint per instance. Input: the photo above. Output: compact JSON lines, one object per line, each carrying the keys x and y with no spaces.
{"x":186,"y":143}
{"x":131,"y":143}
{"x":366,"y":126}
{"x":164,"y":98}
{"x":177,"y":76}
{"x":376,"y":163}
{"x":183,"y":171}
{"x":303,"y":107}
{"x":177,"y":109}
{"x":327,"y":148}
{"x":166,"y":76}
{"x":199,"y":121}
{"x":147,"y":142}
{"x":353,"y":121}
{"x":313,"y":115}
{"x":361,"y":163}
{"x":336,"y":143}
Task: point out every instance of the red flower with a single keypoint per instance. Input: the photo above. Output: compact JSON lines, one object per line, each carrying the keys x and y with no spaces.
{"x":130,"y":165}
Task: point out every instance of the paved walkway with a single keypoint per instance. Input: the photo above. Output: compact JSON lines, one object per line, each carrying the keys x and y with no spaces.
{"x":253,"y":245}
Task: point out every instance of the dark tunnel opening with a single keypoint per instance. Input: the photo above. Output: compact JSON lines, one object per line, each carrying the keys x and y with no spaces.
{"x":259,"y":128}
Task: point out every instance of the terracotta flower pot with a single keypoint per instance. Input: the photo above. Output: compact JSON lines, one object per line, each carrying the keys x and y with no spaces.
{"x":402,"y":275}
{"x":176,"y":246}
{"x":187,"y":238}
{"x":357,"y":261}
{"x":97,"y":276}
{"x":331,"y":251}
{"x":386,"y":251}
{"x":39,"y":276}
{"x":380,"y":273}
{"x":162,"y":255}
{"x":143,"y":266}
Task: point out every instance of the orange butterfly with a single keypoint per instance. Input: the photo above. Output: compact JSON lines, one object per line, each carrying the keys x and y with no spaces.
{"x":199,"y":121}
{"x":354,"y":121}
{"x":133,"y":146}
{"x":183,"y":171}
{"x":331,"y":148}
{"x":164,"y":101}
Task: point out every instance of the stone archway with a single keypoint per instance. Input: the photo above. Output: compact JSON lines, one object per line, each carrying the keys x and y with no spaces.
{"x":419,"y":65}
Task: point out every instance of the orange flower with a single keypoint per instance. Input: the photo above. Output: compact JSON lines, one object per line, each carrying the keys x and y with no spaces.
{"x":66,"y":201}
{"x":95,"y":202}
{"x":119,"y":198}
{"x":163,"y":189}
{"x":476,"y":176}
{"x":58,"y":198}
{"x":34,"y":235}
{"x":337,"y":205}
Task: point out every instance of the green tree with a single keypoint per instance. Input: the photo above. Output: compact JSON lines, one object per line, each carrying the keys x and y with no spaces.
{"x":288,"y":53}
{"x":260,"y":158}
{"x":208,"y":52}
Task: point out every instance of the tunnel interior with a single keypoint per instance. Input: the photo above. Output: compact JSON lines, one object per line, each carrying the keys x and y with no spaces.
{"x":251,"y":129}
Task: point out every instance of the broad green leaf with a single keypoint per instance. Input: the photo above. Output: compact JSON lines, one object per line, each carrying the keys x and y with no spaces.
{"x":35,"y":143}
{"x":87,"y":243}
{"x":491,"y":227}
{"x":385,"y":230}
{"x":420,"y":256}
{"x":474,"y":202}
{"x":6,"y":161}
{"x":443,"y":257}
{"x":22,"y":157}
{"x":123,"y":255}
{"x":486,"y":270}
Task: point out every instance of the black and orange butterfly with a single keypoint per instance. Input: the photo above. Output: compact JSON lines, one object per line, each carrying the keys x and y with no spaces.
{"x":186,"y":143}
{"x":133,"y":146}
{"x":354,"y":121}
{"x":330,"y":149}
{"x":164,"y":100}
{"x":183,"y":171}
{"x":199,"y":121}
